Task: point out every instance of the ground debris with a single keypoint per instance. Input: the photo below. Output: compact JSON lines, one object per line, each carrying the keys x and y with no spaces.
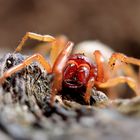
{"x":129,"y":107}
{"x":33,"y":121}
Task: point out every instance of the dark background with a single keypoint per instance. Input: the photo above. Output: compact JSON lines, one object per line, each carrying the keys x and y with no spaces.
{"x":114,"y":22}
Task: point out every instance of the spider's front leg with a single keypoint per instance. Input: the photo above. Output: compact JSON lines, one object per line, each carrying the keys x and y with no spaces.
{"x":101,"y":75}
{"x":57,"y":46}
{"x":122,"y":58}
{"x":104,"y":81}
{"x":26,"y":62}
{"x":44,"y":38}
{"x":100,"y":66}
{"x":58,"y":69}
{"x":54,"y":48}
{"x":121,"y":79}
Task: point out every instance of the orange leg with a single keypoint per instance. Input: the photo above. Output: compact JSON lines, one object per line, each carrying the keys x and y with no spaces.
{"x":90,"y":84}
{"x":58,"y":69}
{"x":102,"y":71}
{"x":100,"y":68}
{"x":54,"y":48}
{"x":44,"y":38}
{"x":118,"y":80}
{"x":26,"y":62}
{"x":122,"y":58}
{"x":57,"y":47}
{"x":126,"y":69}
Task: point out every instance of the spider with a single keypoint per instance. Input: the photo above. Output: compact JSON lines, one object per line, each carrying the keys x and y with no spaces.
{"x":74,"y":72}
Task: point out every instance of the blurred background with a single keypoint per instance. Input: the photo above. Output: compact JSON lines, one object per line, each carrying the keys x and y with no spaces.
{"x":114,"y":22}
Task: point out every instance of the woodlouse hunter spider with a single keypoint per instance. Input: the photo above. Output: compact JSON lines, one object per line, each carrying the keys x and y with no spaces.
{"x":74,"y":72}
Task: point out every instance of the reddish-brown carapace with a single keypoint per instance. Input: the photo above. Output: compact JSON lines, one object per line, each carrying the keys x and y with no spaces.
{"x":74,"y":71}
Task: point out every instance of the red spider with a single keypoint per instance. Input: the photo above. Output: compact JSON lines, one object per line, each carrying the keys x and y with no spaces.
{"x":74,"y":71}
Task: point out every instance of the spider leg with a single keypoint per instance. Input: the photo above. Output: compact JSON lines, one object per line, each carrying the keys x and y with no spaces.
{"x":122,"y":58}
{"x":119,"y":80}
{"x":58,"y":69}
{"x":129,"y":71}
{"x":57,"y":46}
{"x":87,"y":95}
{"x":102,"y":68}
{"x":102,"y":71}
{"x":54,"y":48}
{"x":99,"y":61}
{"x":44,"y":38}
{"x":26,"y":62}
